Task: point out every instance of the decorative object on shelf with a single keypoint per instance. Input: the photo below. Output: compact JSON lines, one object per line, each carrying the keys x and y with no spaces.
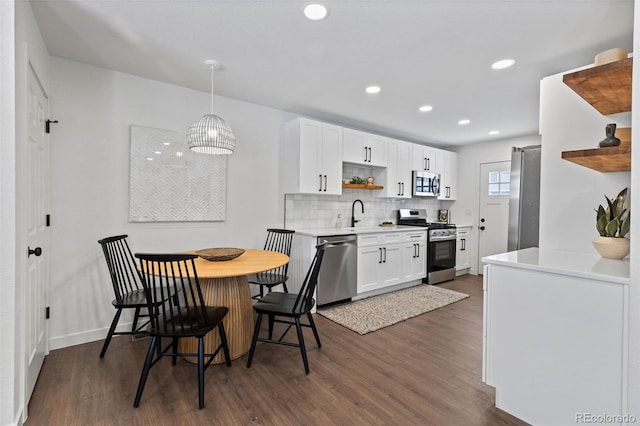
{"x":610,"y":140}
{"x":219,"y":254}
{"x":370,"y":180}
{"x":357,"y":180}
{"x":210,"y":134}
{"x":443,"y":215}
{"x":613,"y":224}
{"x":611,"y":55}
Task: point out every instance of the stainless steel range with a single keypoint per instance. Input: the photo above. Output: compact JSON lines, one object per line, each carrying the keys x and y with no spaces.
{"x":441,"y":244}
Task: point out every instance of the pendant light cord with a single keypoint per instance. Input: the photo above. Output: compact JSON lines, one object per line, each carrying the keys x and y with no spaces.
{"x":212,"y":69}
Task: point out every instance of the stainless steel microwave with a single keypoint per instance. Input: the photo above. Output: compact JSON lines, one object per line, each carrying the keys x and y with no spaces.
{"x":426,"y":184}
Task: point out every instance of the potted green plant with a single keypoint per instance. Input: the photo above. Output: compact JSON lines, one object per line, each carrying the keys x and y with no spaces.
{"x":613,"y":223}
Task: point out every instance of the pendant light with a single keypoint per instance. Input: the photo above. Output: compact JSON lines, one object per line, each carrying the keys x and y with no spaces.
{"x":210,"y":134}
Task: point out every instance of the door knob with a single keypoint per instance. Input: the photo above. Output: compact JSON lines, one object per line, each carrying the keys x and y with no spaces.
{"x":482,"y":228}
{"x":37,"y":251}
{"x":482,"y":220}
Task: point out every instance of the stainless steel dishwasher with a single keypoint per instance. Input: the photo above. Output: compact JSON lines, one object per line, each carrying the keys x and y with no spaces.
{"x":338,"y":272}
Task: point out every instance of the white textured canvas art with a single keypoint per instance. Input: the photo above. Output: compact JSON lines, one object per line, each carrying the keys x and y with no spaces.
{"x":169,"y":183}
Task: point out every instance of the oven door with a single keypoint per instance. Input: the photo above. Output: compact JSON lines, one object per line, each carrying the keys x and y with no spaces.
{"x":441,"y":255}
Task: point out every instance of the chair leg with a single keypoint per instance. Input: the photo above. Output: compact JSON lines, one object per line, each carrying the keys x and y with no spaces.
{"x":136,"y":316}
{"x":261,"y":291}
{"x":174,"y":346}
{"x":254,"y":340}
{"x":200,"y":372}
{"x":313,"y":327}
{"x":145,"y":371}
{"x":303,"y":349}
{"x":272,"y":320}
{"x":225,"y":346}
{"x":112,"y":329}
{"x":284,"y":286}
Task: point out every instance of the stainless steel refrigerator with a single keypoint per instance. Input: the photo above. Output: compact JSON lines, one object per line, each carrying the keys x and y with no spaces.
{"x":524,"y":198}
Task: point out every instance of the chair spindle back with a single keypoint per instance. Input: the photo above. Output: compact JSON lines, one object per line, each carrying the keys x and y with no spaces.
{"x":304,"y":302}
{"x":122,"y":266}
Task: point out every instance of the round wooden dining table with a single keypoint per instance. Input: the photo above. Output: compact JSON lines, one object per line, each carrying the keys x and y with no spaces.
{"x":224,"y":283}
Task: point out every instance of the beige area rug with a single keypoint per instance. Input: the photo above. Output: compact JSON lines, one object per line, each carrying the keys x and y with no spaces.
{"x":371,"y":314}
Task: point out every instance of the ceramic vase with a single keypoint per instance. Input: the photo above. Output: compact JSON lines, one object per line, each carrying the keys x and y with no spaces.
{"x":611,"y":248}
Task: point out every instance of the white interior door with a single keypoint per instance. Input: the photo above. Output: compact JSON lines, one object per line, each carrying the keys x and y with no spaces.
{"x":494,"y":209}
{"x":37,"y":199}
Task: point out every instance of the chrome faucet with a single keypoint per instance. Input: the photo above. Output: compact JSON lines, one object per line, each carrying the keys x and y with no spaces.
{"x":353,"y":217}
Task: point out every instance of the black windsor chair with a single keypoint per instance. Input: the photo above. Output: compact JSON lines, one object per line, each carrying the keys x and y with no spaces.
{"x":277,"y":240}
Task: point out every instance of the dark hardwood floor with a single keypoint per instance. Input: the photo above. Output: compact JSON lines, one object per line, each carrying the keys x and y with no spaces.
{"x":423,"y":371}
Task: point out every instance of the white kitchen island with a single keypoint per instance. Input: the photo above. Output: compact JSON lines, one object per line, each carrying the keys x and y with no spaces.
{"x":556,"y":336}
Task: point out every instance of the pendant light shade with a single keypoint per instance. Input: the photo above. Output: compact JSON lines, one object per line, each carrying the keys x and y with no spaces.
{"x":210,"y":134}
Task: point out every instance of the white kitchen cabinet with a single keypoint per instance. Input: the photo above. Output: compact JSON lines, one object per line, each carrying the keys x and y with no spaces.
{"x":414,"y":256}
{"x":379,"y":263}
{"x":448,"y":165}
{"x":313,"y":158}
{"x":463,"y":259}
{"x":364,"y":148}
{"x":396,"y":178}
{"x":424,"y":158}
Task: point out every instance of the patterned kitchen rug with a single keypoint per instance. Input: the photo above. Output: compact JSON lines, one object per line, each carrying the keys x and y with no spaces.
{"x":371,"y":314}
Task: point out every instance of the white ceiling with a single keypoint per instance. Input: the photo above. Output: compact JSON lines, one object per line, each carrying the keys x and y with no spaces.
{"x":435,"y":52}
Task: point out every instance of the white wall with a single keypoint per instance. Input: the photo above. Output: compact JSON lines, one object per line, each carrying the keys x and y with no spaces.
{"x":465,"y":210}
{"x":90,"y":184}
{"x":570,"y":193}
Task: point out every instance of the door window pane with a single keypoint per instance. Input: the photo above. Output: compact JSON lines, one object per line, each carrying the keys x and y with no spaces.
{"x":499,"y":182}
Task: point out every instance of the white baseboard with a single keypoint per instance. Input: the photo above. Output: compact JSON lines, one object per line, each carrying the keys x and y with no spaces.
{"x":65,"y":341}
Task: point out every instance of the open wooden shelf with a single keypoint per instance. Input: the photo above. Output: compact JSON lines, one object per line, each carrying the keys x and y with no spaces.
{"x":612,"y":159}
{"x":606,"y":87}
{"x":361,"y":186}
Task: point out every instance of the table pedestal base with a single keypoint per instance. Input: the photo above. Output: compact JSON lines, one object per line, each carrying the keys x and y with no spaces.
{"x":233,"y":293}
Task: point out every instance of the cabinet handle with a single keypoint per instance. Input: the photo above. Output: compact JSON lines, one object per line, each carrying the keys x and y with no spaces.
{"x":464,"y":244}
{"x":418,"y":246}
{"x":399,"y":190}
{"x":369,"y":154}
{"x":380,"y":259}
{"x":428,"y":163}
{"x":320,"y":188}
{"x":365,"y":154}
{"x":325,"y":183}
{"x":425,"y":163}
{"x":414,"y":251}
{"x":385,"y":255}
{"x":402,"y":192}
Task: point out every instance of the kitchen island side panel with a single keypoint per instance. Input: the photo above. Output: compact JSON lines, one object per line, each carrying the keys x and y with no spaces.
{"x":555,"y":344}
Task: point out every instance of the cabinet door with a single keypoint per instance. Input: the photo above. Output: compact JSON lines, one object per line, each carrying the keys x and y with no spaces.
{"x":425,"y":158}
{"x":403,"y":167}
{"x":448,"y":163}
{"x":331,"y":159}
{"x":463,"y":260}
{"x":377,"y":146}
{"x":311,"y":180}
{"x":369,"y":261}
{"x":414,"y":260}
{"x":397,"y":175}
{"x":390,"y":271}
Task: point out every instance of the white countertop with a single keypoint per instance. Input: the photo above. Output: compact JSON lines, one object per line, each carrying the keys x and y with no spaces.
{"x":583,"y":265}
{"x":327,"y":232}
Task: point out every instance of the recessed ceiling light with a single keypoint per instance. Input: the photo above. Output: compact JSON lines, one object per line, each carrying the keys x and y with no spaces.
{"x":373,"y":89}
{"x":315,"y":11}
{"x":494,"y":132}
{"x":464,"y":121}
{"x":158,"y":152}
{"x":502,"y":64}
{"x":425,"y":108}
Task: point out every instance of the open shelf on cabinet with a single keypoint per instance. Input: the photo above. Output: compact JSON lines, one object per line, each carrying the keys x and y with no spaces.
{"x":606,"y":87}
{"x":612,"y":159}
{"x":361,"y":186}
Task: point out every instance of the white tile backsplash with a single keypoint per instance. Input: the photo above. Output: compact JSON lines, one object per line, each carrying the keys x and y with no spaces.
{"x":318,"y":211}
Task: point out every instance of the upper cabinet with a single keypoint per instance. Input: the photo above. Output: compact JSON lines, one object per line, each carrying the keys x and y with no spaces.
{"x":448,"y":163}
{"x":608,"y":89}
{"x":313,"y":157}
{"x":425,"y":158}
{"x":396,"y":178}
{"x":364,"y":148}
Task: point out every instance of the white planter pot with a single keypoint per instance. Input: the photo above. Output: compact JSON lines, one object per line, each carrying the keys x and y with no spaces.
{"x":612,"y":248}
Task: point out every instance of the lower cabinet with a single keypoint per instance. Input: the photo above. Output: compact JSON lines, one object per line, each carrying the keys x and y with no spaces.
{"x":390,"y":258}
{"x":463,"y":259}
